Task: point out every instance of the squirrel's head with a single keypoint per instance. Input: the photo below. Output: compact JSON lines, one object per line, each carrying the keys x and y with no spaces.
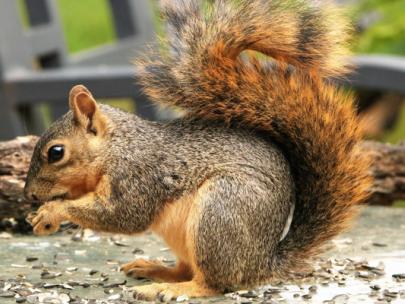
{"x":66,"y":162}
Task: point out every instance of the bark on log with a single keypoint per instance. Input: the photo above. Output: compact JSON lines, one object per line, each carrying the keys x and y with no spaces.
{"x":15,"y":156}
{"x":388,"y":170}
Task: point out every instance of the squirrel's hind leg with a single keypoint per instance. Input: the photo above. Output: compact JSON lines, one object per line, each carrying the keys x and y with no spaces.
{"x":156,"y":271}
{"x":241,"y":219}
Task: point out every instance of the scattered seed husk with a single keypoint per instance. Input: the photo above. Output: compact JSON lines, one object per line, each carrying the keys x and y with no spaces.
{"x":21,"y":300}
{"x":66,"y":286}
{"x":378,"y":244}
{"x":50,"y":275}
{"x":18,"y":266}
{"x":50,"y":285}
{"x":365,"y":275}
{"x":307,"y":296}
{"x":138,"y":251}
{"x":399,"y":276}
{"x":249,"y":294}
{"x":391,"y":294}
{"x":71,"y":269}
{"x":114,"y":284}
{"x":340,"y":299}
{"x":5,"y":235}
{"x":37,"y":266}
{"x":116,"y":296}
{"x":7,"y":294}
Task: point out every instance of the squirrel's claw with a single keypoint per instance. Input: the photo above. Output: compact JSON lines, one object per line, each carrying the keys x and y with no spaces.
{"x":30,"y":217}
{"x":166,"y":296}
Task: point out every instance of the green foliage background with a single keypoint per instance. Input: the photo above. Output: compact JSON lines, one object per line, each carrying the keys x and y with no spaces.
{"x":387,"y":33}
{"x":384,"y":34}
{"x":86,"y":23}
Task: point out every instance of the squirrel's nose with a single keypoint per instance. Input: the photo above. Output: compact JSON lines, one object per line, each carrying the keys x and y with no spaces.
{"x":30,"y":195}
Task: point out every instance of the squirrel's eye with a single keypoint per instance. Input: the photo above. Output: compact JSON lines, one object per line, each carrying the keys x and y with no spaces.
{"x":55,"y":153}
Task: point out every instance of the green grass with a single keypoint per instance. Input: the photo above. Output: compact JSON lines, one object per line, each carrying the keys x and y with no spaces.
{"x":398,"y":133}
{"x":23,"y":13}
{"x":86,"y":23}
{"x":400,"y":204}
{"x":386,"y":35}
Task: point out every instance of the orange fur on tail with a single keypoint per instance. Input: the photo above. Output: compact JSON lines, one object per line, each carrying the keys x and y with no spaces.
{"x":288,"y":97}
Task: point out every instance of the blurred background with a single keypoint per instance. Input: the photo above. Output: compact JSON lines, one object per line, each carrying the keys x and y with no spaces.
{"x":47,"y":46}
{"x":87,"y":24}
{"x":380,"y":29}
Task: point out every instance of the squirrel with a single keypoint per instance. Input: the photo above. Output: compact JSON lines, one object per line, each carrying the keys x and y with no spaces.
{"x":262,"y":137}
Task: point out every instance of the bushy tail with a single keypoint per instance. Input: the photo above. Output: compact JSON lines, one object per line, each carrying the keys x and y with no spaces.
{"x":289,"y":97}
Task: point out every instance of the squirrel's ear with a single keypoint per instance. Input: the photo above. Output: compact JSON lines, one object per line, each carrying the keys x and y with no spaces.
{"x":85,"y":109}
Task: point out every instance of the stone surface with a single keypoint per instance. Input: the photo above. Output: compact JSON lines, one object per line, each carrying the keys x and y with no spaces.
{"x":364,"y":265}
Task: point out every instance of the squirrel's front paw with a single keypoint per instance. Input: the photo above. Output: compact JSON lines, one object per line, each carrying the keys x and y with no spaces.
{"x":45,"y":221}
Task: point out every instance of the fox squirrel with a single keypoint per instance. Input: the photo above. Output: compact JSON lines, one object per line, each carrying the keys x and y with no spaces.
{"x":259,"y":140}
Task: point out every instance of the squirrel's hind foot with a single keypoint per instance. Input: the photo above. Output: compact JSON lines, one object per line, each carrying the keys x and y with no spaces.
{"x":166,"y":292}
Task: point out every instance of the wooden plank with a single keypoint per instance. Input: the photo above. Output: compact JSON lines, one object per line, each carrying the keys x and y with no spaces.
{"x":53,"y":86}
{"x":38,"y":12}
{"x":378,"y":73}
{"x":10,"y":122}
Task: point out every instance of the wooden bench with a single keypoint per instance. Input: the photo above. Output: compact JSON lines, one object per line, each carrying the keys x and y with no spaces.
{"x":35,"y":66}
